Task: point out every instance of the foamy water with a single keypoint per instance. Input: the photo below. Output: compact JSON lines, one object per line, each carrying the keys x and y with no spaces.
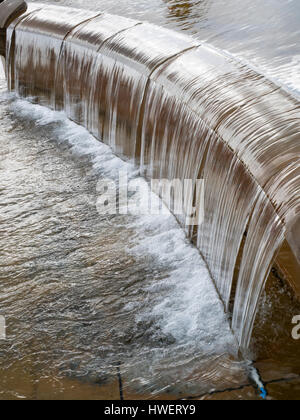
{"x":162,"y":312}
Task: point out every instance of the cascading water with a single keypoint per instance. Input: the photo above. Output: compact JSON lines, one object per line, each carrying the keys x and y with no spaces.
{"x":180,"y":110}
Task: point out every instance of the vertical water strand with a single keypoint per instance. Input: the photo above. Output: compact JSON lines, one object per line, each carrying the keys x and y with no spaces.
{"x":230,"y":193}
{"x":103,"y":87}
{"x":80,"y":66}
{"x":173,"y":146}
{"x":284,"y":192}
{"x":10,"y":57}
{"x":284,"y":187}
{"x":174,"y":141}
{"x":74,"y":64}
{"x":265,"y":236}
{"x":10,"y":44}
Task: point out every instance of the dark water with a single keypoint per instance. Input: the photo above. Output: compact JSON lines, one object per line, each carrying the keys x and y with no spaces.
{"x":81,"y":292}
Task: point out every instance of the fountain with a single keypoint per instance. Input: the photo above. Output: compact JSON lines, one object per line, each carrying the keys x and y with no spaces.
{"x":180,"y":109}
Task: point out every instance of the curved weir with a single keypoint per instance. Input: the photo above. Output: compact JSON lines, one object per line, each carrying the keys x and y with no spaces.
{"x":180,"y":110}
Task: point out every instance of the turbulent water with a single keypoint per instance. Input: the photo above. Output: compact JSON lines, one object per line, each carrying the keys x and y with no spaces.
{"x":83,"y":293}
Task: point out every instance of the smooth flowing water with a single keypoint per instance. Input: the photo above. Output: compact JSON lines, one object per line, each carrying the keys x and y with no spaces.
{"x":110,"y":290}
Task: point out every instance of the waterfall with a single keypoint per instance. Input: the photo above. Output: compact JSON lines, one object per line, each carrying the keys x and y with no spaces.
{"x":179,"y":109}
